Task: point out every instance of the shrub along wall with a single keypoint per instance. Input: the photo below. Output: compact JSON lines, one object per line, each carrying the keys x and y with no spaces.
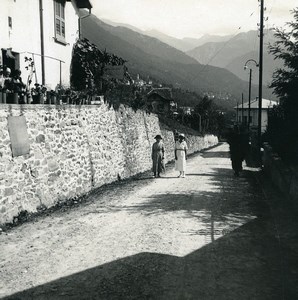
{"x":74,"y":150}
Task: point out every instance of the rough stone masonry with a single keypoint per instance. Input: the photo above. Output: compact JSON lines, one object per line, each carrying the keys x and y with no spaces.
{"x":74,"y":149}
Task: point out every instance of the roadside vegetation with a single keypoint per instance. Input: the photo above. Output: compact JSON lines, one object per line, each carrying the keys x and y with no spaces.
{"x":91,"y":76}
{"x":282,"y":132}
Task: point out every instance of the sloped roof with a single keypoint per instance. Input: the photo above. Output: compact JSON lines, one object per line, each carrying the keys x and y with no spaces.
{"x":164,"y":93}
{"x":255,"y":104}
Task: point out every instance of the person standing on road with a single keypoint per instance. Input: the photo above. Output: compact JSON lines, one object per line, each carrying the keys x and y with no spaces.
{"x":181,"y":155}
{"x":157,"y":156}
{"x":237,"y":153}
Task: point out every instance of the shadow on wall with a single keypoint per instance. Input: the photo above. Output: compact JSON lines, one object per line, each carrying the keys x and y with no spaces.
{"x":241,"y":264}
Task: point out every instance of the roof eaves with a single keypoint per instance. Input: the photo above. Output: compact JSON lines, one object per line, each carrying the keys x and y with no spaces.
{"x":82,"y":3}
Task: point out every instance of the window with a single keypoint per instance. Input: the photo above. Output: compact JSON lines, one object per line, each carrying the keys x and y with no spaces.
{"x":59,"y":20}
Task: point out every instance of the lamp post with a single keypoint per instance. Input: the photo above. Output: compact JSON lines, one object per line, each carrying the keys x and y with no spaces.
{"x":249,"y":86}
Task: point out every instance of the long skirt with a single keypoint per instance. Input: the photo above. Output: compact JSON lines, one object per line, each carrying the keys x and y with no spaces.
{"x":157,"y":166}
{"x":180,"y":163}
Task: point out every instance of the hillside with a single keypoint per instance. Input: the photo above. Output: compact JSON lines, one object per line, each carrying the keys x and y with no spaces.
{"x":230,"y":53}
{"x":220,"y":54}
{"x":184,"y":44}
{"x":150,"y":57}
{"x":233,"y":54}
{"x":172,"y":41}
{"x":269,"y":66}
{"x":149,"y":45}
{"x":206,"y":38}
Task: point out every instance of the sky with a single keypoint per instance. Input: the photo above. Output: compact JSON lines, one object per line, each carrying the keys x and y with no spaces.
{"x":194,"y":18}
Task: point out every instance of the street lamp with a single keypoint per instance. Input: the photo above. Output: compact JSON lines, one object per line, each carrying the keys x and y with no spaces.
{"x":249,"y":87}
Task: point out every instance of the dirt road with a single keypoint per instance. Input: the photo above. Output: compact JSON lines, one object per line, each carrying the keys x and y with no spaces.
{"x":207,"y":236}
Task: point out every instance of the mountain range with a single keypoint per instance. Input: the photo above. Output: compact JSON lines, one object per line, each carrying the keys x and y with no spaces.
{"x":234,"y":53}
{"x":229,"y":51}
{"x":184,"y":44}
{"x":150,"y":57}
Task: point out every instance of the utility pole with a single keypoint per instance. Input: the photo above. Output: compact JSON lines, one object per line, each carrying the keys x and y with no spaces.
{"x":43,"y":81}
{"x":242,"y":111}
{"x":237,"y":113}
{"x":249,"y":98}
{"x":260,"y":78}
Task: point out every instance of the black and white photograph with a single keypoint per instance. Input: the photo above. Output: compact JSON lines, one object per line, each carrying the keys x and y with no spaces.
{"x":148,"y":150}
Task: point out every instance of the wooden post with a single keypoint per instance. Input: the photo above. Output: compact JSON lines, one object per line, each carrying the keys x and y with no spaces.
{"x":41,"y":98}
{"x":54,"y":100}
{"x":4,"y":97}
{"x":15,"y":98}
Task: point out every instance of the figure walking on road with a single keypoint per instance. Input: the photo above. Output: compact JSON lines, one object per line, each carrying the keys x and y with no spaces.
{"x":237,"y":149}
{"x":157,"y":156}
{"x":181,"y":155}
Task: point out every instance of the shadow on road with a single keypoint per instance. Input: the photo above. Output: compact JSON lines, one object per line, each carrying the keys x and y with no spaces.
{"x":240,"y":265}
{"x":240,"y":262}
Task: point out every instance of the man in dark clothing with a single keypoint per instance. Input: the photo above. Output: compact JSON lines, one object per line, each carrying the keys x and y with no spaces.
{"x":238,"y":147}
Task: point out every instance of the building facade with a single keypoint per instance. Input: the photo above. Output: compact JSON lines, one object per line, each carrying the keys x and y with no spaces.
{"x":43,"y":30}
{"x":243,"y":112}
{"x":160,"y":100}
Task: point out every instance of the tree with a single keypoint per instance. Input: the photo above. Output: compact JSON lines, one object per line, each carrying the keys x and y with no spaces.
{"x":282,"y":127}
{"x":285,"y":81}
{"x":87,"y":67}
{"x":209,"y":116}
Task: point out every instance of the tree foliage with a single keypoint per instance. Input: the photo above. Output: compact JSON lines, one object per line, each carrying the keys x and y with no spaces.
{"x":285,"y":80}
{"x":87,"y":67}
{"x":282,"y":130}
{"x":207,"y":117}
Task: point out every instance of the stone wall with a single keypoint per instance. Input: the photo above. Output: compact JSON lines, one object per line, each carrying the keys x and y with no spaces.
{"x":74,"y":149}
{"x":283,"y":176}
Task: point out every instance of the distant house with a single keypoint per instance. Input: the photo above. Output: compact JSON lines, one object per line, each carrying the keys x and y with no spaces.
{"x":187,"y":110}
{"x":160,"y":100}
{"x":43,"y":30}
{"x":254,"y":108}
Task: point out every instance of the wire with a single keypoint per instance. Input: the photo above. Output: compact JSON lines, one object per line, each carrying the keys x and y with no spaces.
{"x":224,"y":45}
{"x":267,"y":18}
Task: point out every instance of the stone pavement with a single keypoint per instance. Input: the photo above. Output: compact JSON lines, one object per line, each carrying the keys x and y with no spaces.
{"x":208,"y":236}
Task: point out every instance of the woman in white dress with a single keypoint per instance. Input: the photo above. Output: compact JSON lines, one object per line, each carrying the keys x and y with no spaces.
{"x":181,"y":155}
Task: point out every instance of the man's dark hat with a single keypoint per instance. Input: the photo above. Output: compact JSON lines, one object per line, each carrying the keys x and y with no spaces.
{"x":158,"y":137}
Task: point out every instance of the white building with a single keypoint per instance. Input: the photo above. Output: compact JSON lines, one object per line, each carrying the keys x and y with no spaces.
{"x":43,"y":30}
{"x":254,"y":111}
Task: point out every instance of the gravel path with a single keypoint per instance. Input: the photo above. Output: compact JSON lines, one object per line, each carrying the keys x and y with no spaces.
{"x":208,"y":236}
